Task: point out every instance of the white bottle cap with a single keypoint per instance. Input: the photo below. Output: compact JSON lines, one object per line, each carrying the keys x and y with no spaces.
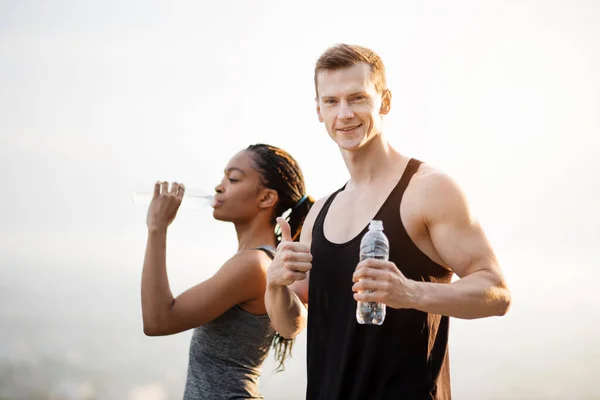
{"x":376,"y":225}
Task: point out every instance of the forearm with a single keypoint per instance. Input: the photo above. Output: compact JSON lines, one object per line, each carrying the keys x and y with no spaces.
{"x":157,"y":298}
{"x":288,"y":314}
{"x":479,"y":295}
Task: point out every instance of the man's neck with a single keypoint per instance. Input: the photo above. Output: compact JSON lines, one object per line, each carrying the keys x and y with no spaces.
{"x":374,"y":162}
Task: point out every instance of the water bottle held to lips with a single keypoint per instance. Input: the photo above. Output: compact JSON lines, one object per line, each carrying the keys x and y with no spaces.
{"x":374,"y":244}
{"x":193,"y":198}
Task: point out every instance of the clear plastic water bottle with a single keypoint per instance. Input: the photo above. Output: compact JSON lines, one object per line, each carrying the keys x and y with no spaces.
{"x":374,"y":244}
{"x":193,"y":199}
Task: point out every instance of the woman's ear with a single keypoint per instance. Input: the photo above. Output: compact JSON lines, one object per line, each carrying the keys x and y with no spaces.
{"x":268,"y":198}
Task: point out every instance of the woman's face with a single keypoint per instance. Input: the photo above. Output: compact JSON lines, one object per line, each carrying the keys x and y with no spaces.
{"x":240,"y":195}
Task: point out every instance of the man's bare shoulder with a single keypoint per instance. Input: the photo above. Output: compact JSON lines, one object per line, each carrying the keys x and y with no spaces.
{"x":316,"y":208}
{"x":436,"y":191}
{"x":429,"y":180}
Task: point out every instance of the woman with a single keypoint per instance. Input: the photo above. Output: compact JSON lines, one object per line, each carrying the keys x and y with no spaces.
{"x":232,"y":331}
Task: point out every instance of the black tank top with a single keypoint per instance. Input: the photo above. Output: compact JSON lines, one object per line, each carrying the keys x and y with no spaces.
{"x":407,"y":356}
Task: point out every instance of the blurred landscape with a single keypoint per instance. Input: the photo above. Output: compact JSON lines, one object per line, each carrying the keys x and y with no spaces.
{"x":74,"y":334}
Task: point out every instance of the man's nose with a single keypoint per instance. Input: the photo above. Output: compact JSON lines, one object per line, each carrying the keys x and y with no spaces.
{"x":346,"y":111}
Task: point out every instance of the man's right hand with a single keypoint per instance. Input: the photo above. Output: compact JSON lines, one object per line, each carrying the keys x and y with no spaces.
{"x":292,"y":261}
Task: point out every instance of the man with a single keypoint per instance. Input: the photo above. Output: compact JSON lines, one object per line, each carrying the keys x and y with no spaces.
{"x":432,"y":235}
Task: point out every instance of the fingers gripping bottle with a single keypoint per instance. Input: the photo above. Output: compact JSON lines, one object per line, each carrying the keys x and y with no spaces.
{"x":374,"y":244}
{"x":193,"y":198}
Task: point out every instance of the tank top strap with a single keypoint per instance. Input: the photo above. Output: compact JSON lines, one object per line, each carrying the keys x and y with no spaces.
{"x":411,"y":168}
{"x":268,"y":250}
{"x":318,"y":225}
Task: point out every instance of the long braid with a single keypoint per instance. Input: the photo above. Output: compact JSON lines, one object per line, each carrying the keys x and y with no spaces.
{"x":282,"y":173}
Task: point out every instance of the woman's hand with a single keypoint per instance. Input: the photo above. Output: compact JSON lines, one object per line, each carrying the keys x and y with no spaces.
{"x":164,"y":205}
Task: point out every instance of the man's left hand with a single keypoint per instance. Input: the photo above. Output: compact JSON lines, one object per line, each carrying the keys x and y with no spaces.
{"x":382,"y":282}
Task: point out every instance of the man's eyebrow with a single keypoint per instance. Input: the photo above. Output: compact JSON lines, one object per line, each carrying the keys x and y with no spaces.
{"x":357,"y":93}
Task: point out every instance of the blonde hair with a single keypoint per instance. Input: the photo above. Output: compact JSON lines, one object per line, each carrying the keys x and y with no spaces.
{"x":345,"y":55}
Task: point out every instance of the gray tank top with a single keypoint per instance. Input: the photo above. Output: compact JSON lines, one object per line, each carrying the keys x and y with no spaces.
{"x":226,"y":355}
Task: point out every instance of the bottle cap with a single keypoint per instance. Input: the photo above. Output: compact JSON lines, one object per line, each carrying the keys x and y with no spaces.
{"x":376,"y":225}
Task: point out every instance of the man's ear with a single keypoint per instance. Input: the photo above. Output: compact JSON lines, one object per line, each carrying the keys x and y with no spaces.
{"x":268,"y":198}
{"x":386,"y":102}
{"x":319,"y":110}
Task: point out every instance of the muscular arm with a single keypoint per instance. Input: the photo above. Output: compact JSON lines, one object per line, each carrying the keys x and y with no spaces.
{"x":287,"y":305}
{"x":240,"y":279}
{"x":462,"y":245}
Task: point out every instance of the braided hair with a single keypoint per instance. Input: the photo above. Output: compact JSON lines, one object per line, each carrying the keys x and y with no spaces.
{"x":280,"y":172}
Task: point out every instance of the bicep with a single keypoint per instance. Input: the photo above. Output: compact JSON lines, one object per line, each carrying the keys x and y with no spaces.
{"x":462,"y":246}
{"x":455,"y":234}
{"x":236,"y":282}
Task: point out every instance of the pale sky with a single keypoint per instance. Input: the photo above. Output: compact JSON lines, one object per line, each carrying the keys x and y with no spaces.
{"x":98,"y":96}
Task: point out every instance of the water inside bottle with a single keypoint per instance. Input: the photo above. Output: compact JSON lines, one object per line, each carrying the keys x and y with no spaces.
{"x":193,"y":199}
{"x":370,"y":312}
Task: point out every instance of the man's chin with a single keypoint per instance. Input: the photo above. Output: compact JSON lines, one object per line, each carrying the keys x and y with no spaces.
{"x":351,"y":144}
